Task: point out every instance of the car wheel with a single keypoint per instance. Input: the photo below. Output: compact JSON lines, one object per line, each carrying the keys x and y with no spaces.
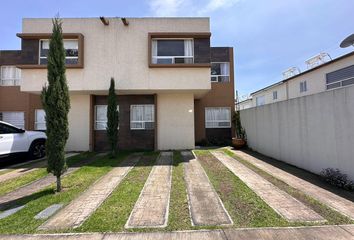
{"x":37,"y":150}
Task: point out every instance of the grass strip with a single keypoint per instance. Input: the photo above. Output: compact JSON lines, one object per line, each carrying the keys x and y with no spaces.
{"x":333,"y":217}
{"x":179,"y":218}
{"x":73,"y":184}
{"x":12,"y":184}
{"x":245,"y":207}
{"x":112,"y":215}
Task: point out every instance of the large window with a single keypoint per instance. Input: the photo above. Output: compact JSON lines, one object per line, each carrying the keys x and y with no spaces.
{"x":15,"y":118}
{"x":39,"y":122}
{"x":71,"y":51}
{"x":220,"y":72}
{"x":10,"y":76}
{"x":340,"y":78}
{"x":142,"y":117}
{"x":218,"y":117}
{"x":172,"y":51}
{"x":101,"y":117}
{"x":303,"y":86}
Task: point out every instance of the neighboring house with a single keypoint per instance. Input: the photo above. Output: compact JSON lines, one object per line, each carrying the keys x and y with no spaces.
{"x":331,"y":75}
{"x":173,"y":88}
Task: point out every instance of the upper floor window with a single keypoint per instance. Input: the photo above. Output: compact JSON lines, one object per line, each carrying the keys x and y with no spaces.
{"x":172,"y":51}
{"x":218,"y":117}
{"x":340,"y":78}
{"x":142,"y":117}
{"x":303,"y":86}
{"x":71,"y":47}
{"x":275,"y":95}
{"x":10,"y":76}
{"x":260,"y":100}
{"x":220,"y":72}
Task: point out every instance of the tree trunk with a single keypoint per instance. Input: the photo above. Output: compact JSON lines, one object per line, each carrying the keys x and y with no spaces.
{"x":58,"y":184}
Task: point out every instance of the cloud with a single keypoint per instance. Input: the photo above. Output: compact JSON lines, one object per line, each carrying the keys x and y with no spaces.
{"x":214,"y":5}
{"x":166,"y":7}
{"x":188,"y":7}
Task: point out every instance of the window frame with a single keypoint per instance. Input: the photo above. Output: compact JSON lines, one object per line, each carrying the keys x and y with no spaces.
{"x":303,"y":86}
{"x":101,"y":121}
{"x":141,"y":121}
{"x":15,"y":81}
{"x":217,"y":76}
{"x":36,"y":122}
{"x":275,"y":95}
{"x":65,"y":39}
{"x":17,"y":126}
{"x":172,"y":57}
{"x":259,"y":97}
{"x":217,"y":121}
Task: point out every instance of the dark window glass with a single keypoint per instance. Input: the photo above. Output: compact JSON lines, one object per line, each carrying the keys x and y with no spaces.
{"x":72,"y":54}
{"x":6,"y":129}
{"x":71,"y":60}
{"x":348,"y":82}
{"x":215,"y":69}
{"x":170,"y":47}
{"x":334,"y":85}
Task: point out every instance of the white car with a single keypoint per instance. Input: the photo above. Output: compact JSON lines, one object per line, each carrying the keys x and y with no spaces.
{"x":14,"y":140}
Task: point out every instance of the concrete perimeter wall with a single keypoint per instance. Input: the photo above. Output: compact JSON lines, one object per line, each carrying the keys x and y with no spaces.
{"x":312,"y":132}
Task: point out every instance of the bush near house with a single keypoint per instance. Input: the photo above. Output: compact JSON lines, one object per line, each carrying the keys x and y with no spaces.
{"x":336,"y":178}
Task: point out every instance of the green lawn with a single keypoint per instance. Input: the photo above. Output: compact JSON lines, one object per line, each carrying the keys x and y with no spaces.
{"x":12,"y":184}
{"x":73,"y":184}
{"x":332,"y":216}
{"x":114,"y":212}
{"x":244,"y":206}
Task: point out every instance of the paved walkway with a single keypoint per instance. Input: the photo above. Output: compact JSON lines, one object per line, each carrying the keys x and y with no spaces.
{"x":284,"y":204}
{"x":33,"y":187}
{"x":76,"y":213}
{"x":330,"y":199}
{"x":151,"y":209}
{"x":17,"y":171}
{"x":206,"y":208}
{"x":341,"y":232}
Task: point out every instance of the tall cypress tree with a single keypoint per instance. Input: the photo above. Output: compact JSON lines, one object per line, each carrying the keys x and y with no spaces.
{"x":56,"y":103}
{"x":112,"y":119}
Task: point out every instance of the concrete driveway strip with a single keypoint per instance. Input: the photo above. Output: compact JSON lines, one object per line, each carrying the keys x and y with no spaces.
{"x":75,"y":214}
{"x":33,"y":187}
{"x":284,"y":204}
{"x":328,"y":198}
{"x":151,"y":209}
{"x":27,"y":168}
{"x":205,"y":206}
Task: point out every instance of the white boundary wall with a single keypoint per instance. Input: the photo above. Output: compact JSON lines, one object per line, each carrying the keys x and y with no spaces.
{"x":311,"y":132}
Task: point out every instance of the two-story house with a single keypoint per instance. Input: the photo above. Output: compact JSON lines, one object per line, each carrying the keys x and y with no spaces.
{"x":173,"y":88}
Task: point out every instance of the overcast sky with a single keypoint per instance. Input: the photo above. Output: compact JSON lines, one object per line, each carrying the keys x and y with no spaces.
{"x":268,"y":36}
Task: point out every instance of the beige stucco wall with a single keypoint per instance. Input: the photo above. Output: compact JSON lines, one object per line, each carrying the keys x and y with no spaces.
{"x":79,"y":123}
{"x":121,"y":52}
{"x":175,"y":121}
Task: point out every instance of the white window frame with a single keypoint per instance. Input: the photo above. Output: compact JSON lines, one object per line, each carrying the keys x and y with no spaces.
{"x":102,"y":121}
{"x":217,"y":121}
{"x":258,"y":102}
{"x":17,"y":125}
{"x":217,"y":76}
{"x":340,"y":84}
{"x":48,"y":40}
{"x":275,"y":95}
{"x":15,"y":81}
{"x":171,"y":57}
{"x":36,"y":122}
{"x":143,"y":127}
{"x":303,"y":86}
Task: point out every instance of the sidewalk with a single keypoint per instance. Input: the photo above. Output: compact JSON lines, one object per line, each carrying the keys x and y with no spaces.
{"x":340,"y":232}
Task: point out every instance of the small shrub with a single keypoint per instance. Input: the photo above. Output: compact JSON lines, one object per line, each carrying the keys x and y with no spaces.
{"x":336,"y":178}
